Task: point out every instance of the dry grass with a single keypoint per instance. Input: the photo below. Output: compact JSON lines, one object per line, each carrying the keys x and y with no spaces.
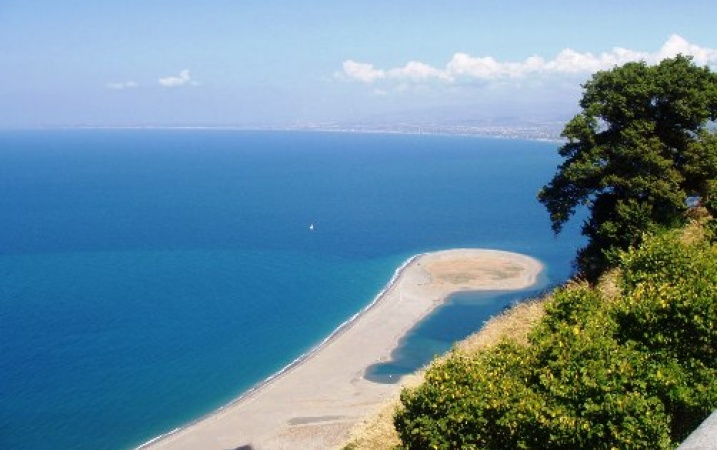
{"x":376,"y":432}
{"x":608,"y":285}
{"x":514,"y":323}
{"x":695,"y":231}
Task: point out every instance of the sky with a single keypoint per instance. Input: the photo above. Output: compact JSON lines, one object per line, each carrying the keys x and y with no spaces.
{"x":279,"y":63}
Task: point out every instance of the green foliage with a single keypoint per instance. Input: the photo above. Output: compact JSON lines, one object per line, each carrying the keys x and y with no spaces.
{"x":670,"y":312}
{"x":634,"y":154}
{"x":636,"y":372}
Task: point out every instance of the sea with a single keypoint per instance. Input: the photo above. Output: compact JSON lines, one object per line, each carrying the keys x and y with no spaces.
{"x":151,"y":276}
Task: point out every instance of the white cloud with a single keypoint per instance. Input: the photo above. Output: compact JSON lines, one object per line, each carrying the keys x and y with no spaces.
{"x":117,"y":86}
{"x":362,"y":72}
{"x":415,"y":71}
{"x":463,"y":66}
{"x":176,"y":81}
{"x":676,"y":44}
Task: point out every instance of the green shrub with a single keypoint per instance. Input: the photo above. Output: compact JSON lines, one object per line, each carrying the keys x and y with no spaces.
{"x":670,"y":301}
{"x":637,"y":372}
{"x":669,"y":311}
{"x":573,"y":387}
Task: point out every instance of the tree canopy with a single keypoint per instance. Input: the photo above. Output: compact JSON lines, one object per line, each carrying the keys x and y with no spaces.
{"x":639,"y":148}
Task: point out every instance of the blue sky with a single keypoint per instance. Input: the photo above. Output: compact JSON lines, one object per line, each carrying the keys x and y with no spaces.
{"x":256,"y":63}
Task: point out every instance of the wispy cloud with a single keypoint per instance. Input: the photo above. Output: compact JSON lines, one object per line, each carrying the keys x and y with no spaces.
{"x":118,"y":86}
{"x":183,"y":79}
{"x":465,"y":67}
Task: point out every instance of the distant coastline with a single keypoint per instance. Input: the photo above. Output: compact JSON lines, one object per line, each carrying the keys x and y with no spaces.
{"x":538,"y":131}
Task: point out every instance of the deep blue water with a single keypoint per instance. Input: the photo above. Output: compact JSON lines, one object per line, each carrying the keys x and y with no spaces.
{"x":149,"y":276}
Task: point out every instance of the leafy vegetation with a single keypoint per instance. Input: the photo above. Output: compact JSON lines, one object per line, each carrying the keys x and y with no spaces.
{"x":637,"y":151}
{"x":631,"y":367}
{"x":635,"y":371}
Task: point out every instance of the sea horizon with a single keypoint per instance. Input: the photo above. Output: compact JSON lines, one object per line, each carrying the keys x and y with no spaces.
{"x":533,"y":130}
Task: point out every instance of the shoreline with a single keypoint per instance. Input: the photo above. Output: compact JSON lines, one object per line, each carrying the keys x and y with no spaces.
{"x":427,"y":280}
{"x":335,"y":334}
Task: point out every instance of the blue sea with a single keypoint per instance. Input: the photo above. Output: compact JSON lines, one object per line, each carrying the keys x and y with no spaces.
{"x":148,"y":277}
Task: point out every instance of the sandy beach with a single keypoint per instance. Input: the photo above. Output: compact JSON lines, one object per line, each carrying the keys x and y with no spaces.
{"x":315,"y":403}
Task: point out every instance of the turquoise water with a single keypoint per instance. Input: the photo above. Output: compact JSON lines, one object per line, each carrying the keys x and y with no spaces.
{"x":149,"y":276}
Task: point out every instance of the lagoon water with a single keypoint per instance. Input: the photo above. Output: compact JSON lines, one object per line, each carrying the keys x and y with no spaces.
{"x":148,"y":277}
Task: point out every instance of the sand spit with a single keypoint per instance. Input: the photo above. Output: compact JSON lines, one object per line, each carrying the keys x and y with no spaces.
{"x":315,"y":403}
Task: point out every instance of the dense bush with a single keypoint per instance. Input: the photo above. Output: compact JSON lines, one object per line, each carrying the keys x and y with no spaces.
{"x":639,"y":371}
{"x":670,"y":312}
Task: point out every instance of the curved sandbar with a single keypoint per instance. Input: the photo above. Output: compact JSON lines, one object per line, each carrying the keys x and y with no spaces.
{"x":315,"y":403}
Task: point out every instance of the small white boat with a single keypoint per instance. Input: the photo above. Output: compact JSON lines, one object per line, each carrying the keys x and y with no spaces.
{"x":311,"y":227}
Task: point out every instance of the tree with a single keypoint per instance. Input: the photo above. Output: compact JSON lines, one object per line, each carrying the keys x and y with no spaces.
{"x":638,"y":149}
